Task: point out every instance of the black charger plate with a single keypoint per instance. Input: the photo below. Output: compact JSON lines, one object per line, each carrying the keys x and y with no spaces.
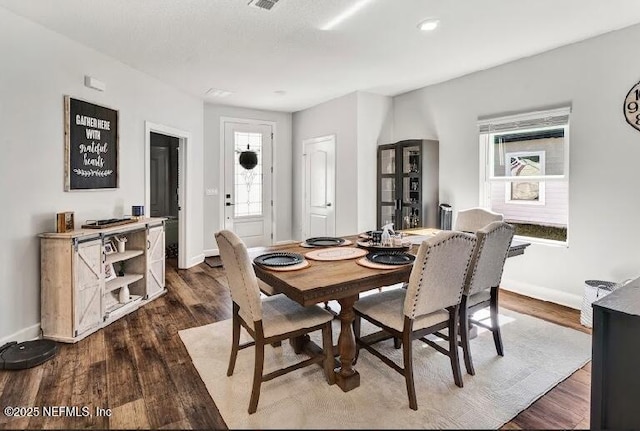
{"x":391,"y":257}
{"x":279,"y":259}
{"x":324,"y":241}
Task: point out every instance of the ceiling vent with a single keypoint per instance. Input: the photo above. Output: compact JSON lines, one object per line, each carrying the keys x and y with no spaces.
{"x":263,"y":4}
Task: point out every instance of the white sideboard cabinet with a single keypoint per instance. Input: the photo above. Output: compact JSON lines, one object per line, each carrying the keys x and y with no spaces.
{"x":86,"y":283}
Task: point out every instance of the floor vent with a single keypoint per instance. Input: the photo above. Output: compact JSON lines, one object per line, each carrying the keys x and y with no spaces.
{"x":263,"y":4}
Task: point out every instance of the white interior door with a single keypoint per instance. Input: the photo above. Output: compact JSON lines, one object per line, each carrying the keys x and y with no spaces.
{"x":247,"y":192}
{"x":319,"y":187}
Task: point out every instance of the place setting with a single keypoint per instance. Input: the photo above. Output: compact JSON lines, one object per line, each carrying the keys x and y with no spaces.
{"x":376,"y":241}
{"x":325,"y":241}
{"x":336,"y":253}
{"x":386,"y":259}
{"x":281,"y":261}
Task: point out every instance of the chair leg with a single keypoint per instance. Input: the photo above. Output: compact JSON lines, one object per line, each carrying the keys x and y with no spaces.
{"x":495,"y":325}
{"x":235,"y":342}
{"x":356,"y":332}
{"x":397,"y":342}
{"x":464,"y":337}
{"x":257,"y":377}
{"x":327,"y":347}
{"x":408,"y":369}
{"x":453,"y":347}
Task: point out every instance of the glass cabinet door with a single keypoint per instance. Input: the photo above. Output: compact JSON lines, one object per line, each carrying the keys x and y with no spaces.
{"x":388,"y":161}
{"x":399,"y":184}
{"x":411,"y":159}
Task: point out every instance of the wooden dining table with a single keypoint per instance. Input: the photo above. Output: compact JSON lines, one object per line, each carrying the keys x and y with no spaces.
{"x":340,"y":280}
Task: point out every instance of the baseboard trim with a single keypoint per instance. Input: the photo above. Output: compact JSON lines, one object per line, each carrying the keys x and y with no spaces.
{"x":216,"y":252}
{"x":212,"y":252}
{"x":195,"y":260}
{"x":544,"y":293}
{"x":26,"y":334}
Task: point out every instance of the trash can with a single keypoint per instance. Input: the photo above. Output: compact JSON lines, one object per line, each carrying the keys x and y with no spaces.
{"x":594,"y":290}
{"x":445,"y":216}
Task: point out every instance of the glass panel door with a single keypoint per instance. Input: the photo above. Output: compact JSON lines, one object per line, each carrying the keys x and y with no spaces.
{"x":411,"y":159}
{"x":388,"y":161}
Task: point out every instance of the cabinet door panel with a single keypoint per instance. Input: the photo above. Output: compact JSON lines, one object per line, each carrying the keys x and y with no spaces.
{"x":155,"y":260}
{"x":87,"y":262}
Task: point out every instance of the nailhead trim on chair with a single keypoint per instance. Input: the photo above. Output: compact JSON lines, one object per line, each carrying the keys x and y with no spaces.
{"x":424,"y":264}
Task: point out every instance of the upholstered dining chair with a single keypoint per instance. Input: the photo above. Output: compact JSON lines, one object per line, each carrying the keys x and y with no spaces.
{"x":482,"y":284}
{"x":429,"y":304}
{"x":272,"y":319}
{"x":473,"y":219}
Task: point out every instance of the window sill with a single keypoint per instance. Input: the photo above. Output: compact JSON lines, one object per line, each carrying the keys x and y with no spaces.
{"x":542,"y":241}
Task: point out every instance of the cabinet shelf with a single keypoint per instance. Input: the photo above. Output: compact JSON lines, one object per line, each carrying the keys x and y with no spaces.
{"x":119,"y":257}
{"x":120,"y":281}
{"x":120,"y":309}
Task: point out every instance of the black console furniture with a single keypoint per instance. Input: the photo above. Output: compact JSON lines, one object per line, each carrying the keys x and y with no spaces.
{"x":615,"y":368}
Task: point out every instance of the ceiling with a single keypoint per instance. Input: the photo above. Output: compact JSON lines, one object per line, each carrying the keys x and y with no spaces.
{"x":281,"y":59}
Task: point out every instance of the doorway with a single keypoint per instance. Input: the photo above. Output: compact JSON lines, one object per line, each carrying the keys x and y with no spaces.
{"x":164,"y":187}
{"x":319,"y":174}
{"x":166,"y":151}
{"x":247,"y":199}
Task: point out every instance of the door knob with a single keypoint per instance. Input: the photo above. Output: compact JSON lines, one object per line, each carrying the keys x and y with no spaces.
{"x":328,"y":204}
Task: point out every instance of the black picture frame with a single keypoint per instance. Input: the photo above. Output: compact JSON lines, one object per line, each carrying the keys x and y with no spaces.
{"x":91,"y":146}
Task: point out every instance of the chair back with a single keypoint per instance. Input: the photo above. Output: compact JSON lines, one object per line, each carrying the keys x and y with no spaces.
{"x":438,"y":273}
{"x":243,"y":282}
{"x":489,"y":257}
{"x":474,"y":219}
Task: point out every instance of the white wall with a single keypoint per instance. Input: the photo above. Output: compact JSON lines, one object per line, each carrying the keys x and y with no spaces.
{"x":37,"y":69}
{"x":593,"y":77}
{"x":335,"y":117}
{"x":282,"y":165}
{"x":374,"y":118}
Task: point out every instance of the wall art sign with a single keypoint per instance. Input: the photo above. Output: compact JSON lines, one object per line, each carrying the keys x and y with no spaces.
{"x":631,"y":107}
{"x":91,"y":146}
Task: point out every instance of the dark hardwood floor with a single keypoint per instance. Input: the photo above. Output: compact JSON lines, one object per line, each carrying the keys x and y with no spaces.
{"x":139,"y":369}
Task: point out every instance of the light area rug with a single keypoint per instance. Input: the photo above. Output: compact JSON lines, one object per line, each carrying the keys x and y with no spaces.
{"x":538,"y":355}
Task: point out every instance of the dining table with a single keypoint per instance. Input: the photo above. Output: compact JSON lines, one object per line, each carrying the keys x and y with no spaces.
{"x":342,"y":281}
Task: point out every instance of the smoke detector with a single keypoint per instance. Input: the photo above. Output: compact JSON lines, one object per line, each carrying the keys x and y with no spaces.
{"x":263,"y":4}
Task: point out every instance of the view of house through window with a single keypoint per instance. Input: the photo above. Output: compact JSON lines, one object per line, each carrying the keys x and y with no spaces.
{"x":525,"y":175}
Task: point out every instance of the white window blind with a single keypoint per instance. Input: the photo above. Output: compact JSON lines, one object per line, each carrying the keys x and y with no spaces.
{"x":530,"y":120}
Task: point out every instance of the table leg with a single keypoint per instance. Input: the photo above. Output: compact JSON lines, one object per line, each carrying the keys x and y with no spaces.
{"x":346,"y":376}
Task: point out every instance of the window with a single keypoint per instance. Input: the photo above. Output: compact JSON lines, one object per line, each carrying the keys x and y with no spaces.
{"x":524,"y":171}
{"x":248,"y":182}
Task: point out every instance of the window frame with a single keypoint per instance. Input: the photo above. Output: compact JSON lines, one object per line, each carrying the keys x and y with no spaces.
{"x":486,"y":158}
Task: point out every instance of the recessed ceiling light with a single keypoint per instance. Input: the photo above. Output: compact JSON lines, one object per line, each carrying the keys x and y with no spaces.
{"x":346,"y":14}
{"x":214,"y":92}
{"x":429,"y":24}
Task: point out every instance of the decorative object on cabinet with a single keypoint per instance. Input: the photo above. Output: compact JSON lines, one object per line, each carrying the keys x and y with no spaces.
{"x":120,"y":242}
{"x":137,"y":211}
{"x":91,"y":146}
{"x":78,"y":296}
{"x":407,"y":184}
{"x":109,"y":248}
{"x":64,"y":222}
{"x":107,"y":223}
{"x":109,"y":272}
